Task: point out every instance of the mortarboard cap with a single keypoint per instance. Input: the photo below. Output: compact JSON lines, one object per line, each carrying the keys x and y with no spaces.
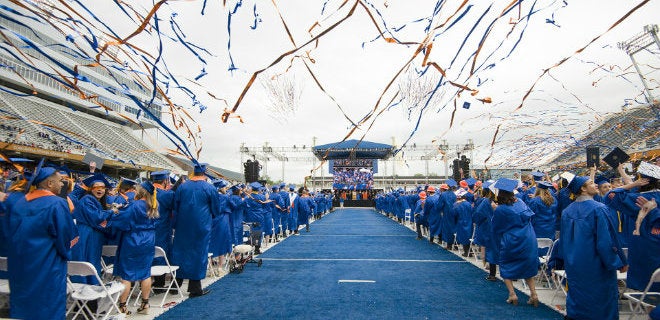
{"x":35,"y":174}
{"x":616,"y":157}
{"x":544,"y":185}
{"x":451,"y":183}
{"x":463,"y":184}
{"x":255,"y":186}
{"x":430,"y":189}
{"x":219,"y":183}
{"x":538,"y":176}
{"x":200,"y":167}
{"x":42,"y":174}
{"x":99,"y":177}
{"x":275,"y":188}
{"x":235,"y":187}
{"x":487,"y":184}
{"x":568,"y":176}
{"x":593,"y":156}
{"x":127,"y":182}
{"x":292,"y":187}
{"x":601,"y":180}
{"x":422,"y":195}
{"x":147,"y":185}
{"x":506,"y":184}
{"x":460,"y":192}
{"x":649,"y":170}
{"x":577,"y":183}
{"x":160,"y":175}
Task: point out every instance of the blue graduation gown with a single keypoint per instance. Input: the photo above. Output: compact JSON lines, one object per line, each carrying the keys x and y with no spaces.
{"x":293,"y":212}
{"x":41,"y":232}
{"x":305,"y":210}
{"x":591,"y":258}
{"x":449,"y":219}
{"x":5,"y":240}
{"x":623,"y":202}
{"x":221,"y":236}
{"x":515,"y":241}
{"x":432,"y":214}
{"x":195,"y":205}
{"x":255,"y":210}
{"x":482,"y":216}
{"x":163,"y":224}
{"x":544,"y":218}
{"x":418,"y":212}
{"x":644,"y":253}
{"x":463,"y":212}
{"x":237,"y":208}
{"x":135,"y":249}
{"x":89,"y":214}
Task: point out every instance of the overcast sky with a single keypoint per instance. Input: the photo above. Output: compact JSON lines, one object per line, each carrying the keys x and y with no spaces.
{"x":354,"y":67}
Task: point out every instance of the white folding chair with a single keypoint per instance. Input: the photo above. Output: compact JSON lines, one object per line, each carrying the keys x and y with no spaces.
{"x":558,"y":277}
{"x":544,"y":243}
{"x":211,"y":271}
{"x":638,"y":301}
{"x":474,"y":249}
{"x":407,"y":216}
{"x":4,"y":284}
{"x":165,"y":270}
{"x":81,"y":294}
{"x":107,"y":251}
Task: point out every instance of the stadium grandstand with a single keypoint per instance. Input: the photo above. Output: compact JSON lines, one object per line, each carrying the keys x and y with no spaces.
{"x":46,"y":112}
{"x":635,"y":130}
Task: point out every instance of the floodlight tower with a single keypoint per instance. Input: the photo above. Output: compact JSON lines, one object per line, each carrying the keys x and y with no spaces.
{"x":639,"y":43}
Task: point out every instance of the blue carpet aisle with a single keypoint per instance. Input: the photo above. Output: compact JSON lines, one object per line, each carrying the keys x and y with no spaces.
{"x":357,"y":264}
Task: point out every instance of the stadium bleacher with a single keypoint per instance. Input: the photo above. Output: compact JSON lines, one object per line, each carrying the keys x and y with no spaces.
{"x":77,"y":132}
{"x":634,"y":130}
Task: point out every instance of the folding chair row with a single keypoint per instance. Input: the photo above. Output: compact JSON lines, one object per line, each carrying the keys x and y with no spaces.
{"x":161,"y":270}
{"x":639,"y":302}
{"x":82,"y":294}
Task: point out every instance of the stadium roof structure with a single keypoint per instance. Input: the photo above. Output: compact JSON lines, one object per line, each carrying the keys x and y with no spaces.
{"x":353,"y":149}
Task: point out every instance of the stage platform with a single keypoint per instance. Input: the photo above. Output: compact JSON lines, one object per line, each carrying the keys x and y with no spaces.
{"x":355,"y":203}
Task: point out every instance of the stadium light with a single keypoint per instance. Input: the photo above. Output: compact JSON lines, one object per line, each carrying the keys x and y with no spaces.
{"x":639,"y":43}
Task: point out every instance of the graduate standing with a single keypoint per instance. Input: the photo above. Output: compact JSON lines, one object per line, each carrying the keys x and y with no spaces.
{"x":135,"y":249}
{"x":544,"y":206}
{"x":91,"y":215}
{"x":42,"y":234}
{"x":591,"y":255}
{"x":195,"y":205}
{"x":515,"y":240}
{"x":163,"y":223}
{"x":221,"y":236}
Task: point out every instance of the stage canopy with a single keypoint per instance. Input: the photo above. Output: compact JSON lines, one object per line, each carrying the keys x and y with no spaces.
{"x":353,"y":149}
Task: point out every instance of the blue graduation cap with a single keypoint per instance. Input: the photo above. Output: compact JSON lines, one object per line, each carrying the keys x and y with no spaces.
{"x":487,"y":184}
{"x":160,"y":175}
{"x":292,"y":187}
{"x":451,"y":183}
{"x":538,"y":176}
{"x":235,"y":187}
{"x":99,"y":177}
{"x":506,"y":184}
{"x":127,"y":182}
{"x":577,"y":183}
{"x":275,"y":188}
{"x":601,"y":180}
{"x":282,"y":185}
{"x":147,"y":185}
{"x":544,"y":185}
{"x":220,"y":183}
{"x":40,"y":174}
{"x":466,"y":105}
{"x":200,"y":167}
{"x":471,"y":181}
{"x":173,"y":179}
{"x":255,"y":185}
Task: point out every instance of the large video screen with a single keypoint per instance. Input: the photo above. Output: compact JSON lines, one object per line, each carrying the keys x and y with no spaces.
{"x":353,"y":174}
